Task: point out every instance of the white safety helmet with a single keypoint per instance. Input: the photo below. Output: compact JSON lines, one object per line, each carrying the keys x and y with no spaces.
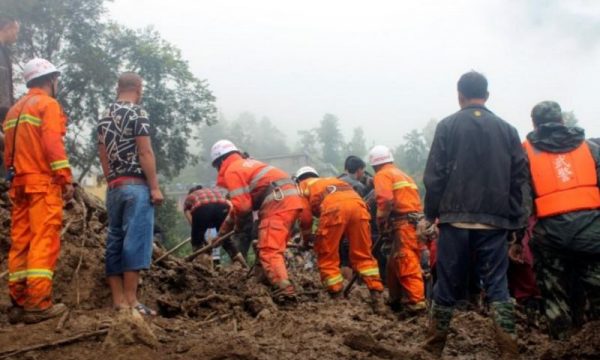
{"x":220,"y":148}
{"x":380,"y":154}
{"x":305,"y":170}
{"x":36,"y":68}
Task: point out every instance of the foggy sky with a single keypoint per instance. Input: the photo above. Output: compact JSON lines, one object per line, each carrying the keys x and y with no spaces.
{"x":388,"y":66}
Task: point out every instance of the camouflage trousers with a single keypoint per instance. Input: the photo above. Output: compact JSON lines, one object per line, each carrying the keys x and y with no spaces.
{"x":570,"y":286}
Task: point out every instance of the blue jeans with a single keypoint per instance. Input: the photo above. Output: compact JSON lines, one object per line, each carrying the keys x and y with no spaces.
{"x":457,"y":248}
{"x":130,"y":226}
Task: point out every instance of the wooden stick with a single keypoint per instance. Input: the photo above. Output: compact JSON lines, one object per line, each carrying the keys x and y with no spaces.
{"x":78,"y":337}
{"x":64,"y":230}
{"x":173,"y":250}
{"x":3,"y":274}
{"x":62,"y":321}
{"x":81,"y":249}
{"x":217,"y":242}
{"x":222,"y":317}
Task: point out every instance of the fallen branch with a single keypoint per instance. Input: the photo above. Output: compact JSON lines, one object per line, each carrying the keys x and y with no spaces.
{"x":78,"y":337}
{"x":62,"y":321}
{"x":216,"y":243}
{"x":173,"y":250}
{"x":64,"y":230}
{"x":222,"y":317}
{"x":83,"y":238}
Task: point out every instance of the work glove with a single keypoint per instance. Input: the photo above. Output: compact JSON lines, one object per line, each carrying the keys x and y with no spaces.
{"x":427,"y":231}
{"x":515,"y":248}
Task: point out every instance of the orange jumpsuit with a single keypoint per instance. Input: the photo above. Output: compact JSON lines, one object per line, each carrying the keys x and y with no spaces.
{"x":341,"y":211}
{"x":248,"y":182}
{"x":397,"y":195}
{"x":41,"y":169}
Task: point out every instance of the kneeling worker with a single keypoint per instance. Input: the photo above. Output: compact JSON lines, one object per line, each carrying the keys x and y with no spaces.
{"x":341,"y":212}
{"x":206,"y":208}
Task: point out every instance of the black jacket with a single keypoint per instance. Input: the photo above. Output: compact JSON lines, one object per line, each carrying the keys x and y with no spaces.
{"x":476,"y":170}
{"x":578,"y":230}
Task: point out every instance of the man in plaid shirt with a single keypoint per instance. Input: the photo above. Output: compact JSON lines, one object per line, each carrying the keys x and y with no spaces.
{"x":207,"y":208}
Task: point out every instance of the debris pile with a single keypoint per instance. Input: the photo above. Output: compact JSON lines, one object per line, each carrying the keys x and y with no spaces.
{"x":223,"y":313}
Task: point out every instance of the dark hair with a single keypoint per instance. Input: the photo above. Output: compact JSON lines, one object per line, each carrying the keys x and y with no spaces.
{"x":218,"y":161}
{"x":6,"y":20}
{"x":195,"y":188}
{"x":3,"y":112}
{"x":473,"y":85}
{"x":42,"y":80}
{"x":546,"y":112}
{"x":353,"y":164}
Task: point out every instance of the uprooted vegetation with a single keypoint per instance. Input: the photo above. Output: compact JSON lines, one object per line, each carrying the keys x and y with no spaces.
{"x":226,"y":314}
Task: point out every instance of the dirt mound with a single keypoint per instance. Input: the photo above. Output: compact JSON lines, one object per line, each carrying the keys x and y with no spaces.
{"x":226,"y":314}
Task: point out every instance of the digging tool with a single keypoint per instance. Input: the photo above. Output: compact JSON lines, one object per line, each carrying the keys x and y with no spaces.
{"x":173,"y":249}
{"x":217,"y":242}
{"x":376,"y":246}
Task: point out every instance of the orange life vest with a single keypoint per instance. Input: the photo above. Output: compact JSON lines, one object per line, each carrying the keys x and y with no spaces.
{"x":563,"y":182}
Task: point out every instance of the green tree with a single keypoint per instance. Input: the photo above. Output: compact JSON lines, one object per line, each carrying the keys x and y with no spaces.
{"x":358,"y":144}
{"x":429,"y":132}
{"x":91,"y":53}
{"x":331,"y":140}
{"x":411,"y":156}
{"x":308,"y":142}
{"x":270,"y":141}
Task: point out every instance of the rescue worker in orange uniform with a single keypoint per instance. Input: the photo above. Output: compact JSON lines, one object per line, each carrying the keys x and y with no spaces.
{"x":398,"y":211}
{"x":565,"y":240}
{"x":341,"y":212}
{"x":256,"y":186}
{"x":40,"y":176}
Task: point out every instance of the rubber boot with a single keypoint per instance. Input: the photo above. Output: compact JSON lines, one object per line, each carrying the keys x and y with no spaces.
{"x":503,"y":314}
{"x":32,"y":317}
{"x":439,"y":325}
{"x":377,"y":302}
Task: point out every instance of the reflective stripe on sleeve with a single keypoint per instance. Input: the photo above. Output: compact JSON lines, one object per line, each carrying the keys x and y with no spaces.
{"x":29,"y":119}
{"x":60,"y":164}
{"x":239,"y":191}
{"x":403,"y":184}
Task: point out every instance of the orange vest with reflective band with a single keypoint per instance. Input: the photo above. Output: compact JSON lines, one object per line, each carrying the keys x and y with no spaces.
{"x":395,"y":192}
{"x":40,"y":157}
{"x":322,"y":191}
{"x":563,"y":182}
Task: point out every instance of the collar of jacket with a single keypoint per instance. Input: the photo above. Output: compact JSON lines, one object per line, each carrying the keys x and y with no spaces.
{"x":475,"y":106}
{"x":37,"y":91}
{"x":226,"y":164}
{"x":556,"y":138}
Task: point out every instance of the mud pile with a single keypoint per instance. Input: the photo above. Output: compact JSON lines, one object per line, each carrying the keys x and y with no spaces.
{"x":225,"y":314}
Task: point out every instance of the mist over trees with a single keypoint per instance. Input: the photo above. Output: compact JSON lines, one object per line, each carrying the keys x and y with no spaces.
{"x":90,"y":53}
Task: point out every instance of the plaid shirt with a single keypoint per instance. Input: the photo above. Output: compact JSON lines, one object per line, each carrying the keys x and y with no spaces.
{"x":203,"y":197}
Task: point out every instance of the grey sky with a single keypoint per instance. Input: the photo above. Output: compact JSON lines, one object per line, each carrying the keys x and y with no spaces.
{"x":388,"y":66}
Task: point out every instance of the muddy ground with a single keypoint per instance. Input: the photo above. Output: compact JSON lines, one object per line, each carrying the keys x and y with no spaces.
{"x":223,"y":314}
